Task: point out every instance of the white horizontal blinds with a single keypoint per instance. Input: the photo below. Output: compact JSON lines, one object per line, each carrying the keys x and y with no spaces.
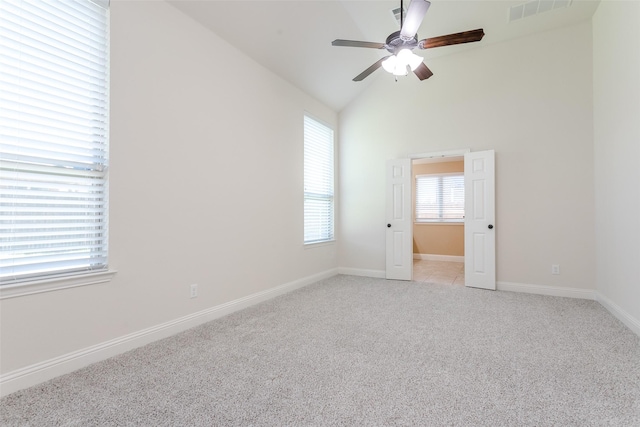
{"x":318,"y":181}
{"x":439,"y":197}
{"x":53,"y":137}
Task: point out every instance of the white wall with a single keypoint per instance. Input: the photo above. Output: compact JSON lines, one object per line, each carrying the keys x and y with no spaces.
{"x":529,"y":99}
{"x":616,"y":89}
{"x":206,"y":187}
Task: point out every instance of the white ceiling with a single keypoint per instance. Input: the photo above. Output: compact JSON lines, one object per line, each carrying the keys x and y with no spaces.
{"x":293,"y":38}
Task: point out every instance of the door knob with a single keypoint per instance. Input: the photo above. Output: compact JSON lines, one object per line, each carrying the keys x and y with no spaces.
{"x":389,"y":225}
{"x":490,"y":226}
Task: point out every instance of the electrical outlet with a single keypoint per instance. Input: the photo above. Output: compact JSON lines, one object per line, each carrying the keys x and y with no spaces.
{"x":555,"y":269}
{"x":194,"y":291}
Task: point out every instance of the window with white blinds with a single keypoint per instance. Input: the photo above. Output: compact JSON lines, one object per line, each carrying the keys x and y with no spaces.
{"x":440,"y":198}
{"x":53,"y":138}
{"x":318,"y":182}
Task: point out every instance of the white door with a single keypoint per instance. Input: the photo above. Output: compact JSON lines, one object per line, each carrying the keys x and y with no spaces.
{"x":479,"y":220}
{"x":399,"y":220}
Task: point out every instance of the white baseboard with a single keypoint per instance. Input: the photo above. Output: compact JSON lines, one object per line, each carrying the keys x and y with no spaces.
{"x":434,"y":257}
{"x":380,"y":274}
{"x":547,"y":290}
{"x":613,"y":308}
{"x":48,"y":369}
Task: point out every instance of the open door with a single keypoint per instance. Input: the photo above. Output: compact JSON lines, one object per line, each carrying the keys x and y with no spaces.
{"x":479,"y":222}
{"x":399,"y":238}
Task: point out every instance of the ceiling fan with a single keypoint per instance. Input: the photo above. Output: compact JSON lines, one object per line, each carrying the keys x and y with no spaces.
{"x":401,"y":44}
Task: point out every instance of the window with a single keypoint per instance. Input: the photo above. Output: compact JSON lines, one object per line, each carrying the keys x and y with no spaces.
{"x":53,"y":138}
{"x":318,"y":182}
{"x":440,"y":198}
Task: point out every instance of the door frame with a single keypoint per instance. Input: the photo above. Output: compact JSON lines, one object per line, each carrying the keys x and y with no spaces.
{"x":440,"y":154}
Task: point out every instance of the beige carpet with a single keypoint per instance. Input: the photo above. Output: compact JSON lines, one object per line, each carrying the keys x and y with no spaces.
{"x":360,"y":351}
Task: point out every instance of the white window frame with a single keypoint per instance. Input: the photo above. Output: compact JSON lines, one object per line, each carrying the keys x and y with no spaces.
{"x":50,"y":101}
{"x":439,"y":196}
{"x":319,"y":182}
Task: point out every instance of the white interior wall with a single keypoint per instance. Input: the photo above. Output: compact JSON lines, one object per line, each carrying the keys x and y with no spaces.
{"x":529,"y":99}
{"x":616,"y":83}
{"x":206,"y":187}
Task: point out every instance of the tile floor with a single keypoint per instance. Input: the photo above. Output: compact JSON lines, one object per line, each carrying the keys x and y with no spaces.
{"x":442,"y":272}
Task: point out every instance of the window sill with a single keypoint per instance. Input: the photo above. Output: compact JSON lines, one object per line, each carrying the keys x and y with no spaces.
{"x":319,"y":244}
{"x":54,"y":284}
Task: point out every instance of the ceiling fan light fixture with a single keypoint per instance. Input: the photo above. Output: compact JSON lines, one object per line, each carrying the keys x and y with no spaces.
{"x":395,"y":66}
{"x":400,"y":70}
{"x":389,"y":64}
{"x":406,"y":57}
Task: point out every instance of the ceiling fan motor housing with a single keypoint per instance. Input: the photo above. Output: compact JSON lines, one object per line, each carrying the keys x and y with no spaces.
{"x":394,"y":43}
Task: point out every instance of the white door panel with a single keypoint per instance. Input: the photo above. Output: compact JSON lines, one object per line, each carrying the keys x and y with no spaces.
{"x":479,"y":223}
{"x":399,"y":237}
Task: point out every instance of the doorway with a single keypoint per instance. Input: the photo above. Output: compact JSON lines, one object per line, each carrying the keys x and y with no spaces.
{"x":479,"y":217}
{"x":438,"y":219}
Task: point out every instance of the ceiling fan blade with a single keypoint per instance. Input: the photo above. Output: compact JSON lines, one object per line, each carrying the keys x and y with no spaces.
{"x":369,"y":70}
{"x":413,"y":19}
{"x":423,"y":72}
{"x":450,"y":39}
{"x":354,"y":43}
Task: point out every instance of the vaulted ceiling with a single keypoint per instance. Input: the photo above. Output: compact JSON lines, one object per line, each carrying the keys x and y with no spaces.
{"x":293,"y":38}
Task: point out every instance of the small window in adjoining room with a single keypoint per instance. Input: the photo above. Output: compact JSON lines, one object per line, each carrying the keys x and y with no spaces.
{"x":440,"y":198}
{"x":53,"y":139}
{"x":318,"y":182}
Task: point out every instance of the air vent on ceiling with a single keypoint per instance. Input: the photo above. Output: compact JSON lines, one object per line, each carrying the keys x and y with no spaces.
{"x":396,"y":14}
{"x":535,"y":7}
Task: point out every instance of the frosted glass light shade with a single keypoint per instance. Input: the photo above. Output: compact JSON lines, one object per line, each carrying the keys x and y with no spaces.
{"x":394,"y":66}
{"x":389,"y":64}
{"x":397,"y":64}
{"x":409,"y":58}
{"x":400,"y":70}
